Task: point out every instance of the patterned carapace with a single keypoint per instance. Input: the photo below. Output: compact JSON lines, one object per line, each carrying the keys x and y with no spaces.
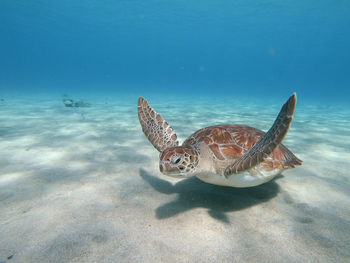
{"x":232,"y":141}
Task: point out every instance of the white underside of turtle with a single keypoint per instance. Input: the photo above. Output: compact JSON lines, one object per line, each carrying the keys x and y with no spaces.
{"x":252,"y":177}
{"x":244,"y":179}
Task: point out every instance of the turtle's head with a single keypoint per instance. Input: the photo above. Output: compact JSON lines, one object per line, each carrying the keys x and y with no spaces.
{"x":178,"y":162}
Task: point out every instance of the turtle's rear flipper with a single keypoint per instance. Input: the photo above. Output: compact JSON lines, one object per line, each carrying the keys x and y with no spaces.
{"x":267,"y":144}
{"x":157,"y":130}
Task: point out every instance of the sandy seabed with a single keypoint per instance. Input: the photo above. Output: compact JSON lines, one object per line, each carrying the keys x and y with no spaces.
{"x":83,"y":185}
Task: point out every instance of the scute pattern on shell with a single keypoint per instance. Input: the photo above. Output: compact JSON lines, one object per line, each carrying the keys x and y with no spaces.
{"x":261,"y":150}
{"x":231,"y":142}
{"x":157,"y":130}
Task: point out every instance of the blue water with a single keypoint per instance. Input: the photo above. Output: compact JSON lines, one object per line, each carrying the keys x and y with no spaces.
{"x":82,"y":184}
{"x":186,"y":48}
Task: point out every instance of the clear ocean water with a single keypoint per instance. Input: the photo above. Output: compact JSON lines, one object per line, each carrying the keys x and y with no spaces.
{"x":82,"y":184}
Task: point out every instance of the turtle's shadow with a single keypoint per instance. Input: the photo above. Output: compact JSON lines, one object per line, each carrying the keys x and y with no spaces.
{"x":193,"y":193}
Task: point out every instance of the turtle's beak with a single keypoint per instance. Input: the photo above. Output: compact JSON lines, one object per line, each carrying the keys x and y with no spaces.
{"x":166,"y":169}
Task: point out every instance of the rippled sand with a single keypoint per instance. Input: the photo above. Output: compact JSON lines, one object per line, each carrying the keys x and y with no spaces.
{"x":82,"y":185}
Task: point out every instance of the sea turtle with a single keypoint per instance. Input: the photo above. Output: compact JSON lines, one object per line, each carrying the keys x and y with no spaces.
{"x":229,"y":154}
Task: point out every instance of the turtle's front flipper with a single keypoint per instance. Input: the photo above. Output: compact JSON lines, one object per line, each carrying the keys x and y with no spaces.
{"x":267,"y":144}
{"x":157,"y":130}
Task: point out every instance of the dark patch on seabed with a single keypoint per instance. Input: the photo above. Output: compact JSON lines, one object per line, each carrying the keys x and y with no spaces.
{"x":315,"y":226}
{"x":219,"y":200}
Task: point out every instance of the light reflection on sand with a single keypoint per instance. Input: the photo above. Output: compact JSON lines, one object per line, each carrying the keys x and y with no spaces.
{"x":83,"y":185}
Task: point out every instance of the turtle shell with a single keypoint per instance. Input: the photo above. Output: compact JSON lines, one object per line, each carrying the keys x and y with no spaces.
{"x":229,"y":142}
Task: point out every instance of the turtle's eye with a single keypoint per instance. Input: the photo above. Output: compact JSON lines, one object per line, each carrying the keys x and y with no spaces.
{"x":176,"y":159}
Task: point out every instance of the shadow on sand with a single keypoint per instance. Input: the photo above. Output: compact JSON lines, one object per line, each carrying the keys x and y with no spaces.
{"x":193,"y":193}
